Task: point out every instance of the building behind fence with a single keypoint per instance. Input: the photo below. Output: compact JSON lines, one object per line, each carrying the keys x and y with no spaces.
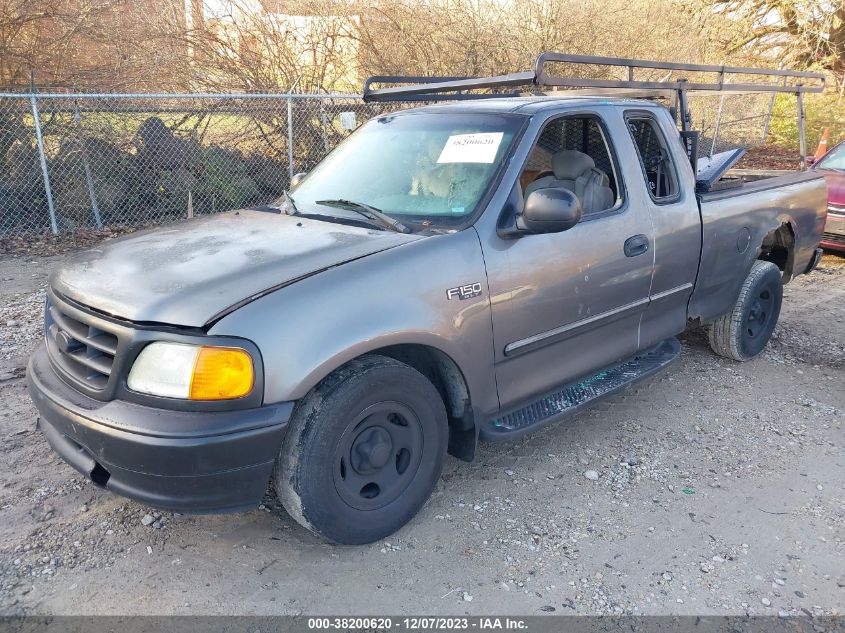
{"x":82,"y":161}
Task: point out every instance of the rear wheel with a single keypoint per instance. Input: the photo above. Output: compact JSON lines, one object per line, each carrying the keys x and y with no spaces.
{"x":363,"y":451}
{"x":743,"y":332}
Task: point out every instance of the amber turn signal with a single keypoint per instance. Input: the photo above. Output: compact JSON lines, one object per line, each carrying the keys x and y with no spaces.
{"x":221,"y":373}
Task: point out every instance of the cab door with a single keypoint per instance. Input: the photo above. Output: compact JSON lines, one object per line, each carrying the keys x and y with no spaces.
{"x":673,"y":208}
{"x":567,"y":304}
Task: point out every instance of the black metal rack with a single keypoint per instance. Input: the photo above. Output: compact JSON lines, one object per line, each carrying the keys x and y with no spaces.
{"x":727,"y":78}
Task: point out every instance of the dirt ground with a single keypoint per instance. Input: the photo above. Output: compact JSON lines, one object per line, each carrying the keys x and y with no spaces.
{"x":719,"y":491}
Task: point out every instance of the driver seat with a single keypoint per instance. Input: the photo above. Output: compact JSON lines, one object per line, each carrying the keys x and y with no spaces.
{"x":577,"y":172}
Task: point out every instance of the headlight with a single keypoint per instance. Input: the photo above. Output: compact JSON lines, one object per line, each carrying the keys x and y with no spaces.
{"x":192,"y":372}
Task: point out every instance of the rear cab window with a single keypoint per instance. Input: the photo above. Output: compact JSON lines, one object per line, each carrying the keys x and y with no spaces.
{"x":656,"y":160}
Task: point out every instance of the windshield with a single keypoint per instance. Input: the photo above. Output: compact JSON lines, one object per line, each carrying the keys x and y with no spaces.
{"x":834,"y":159}
{"x":429,"y":170}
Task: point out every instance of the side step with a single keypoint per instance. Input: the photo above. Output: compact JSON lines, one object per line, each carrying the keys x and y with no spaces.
{"x":579,"y":395}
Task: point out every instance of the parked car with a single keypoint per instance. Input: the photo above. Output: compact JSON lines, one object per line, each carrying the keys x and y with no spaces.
{"x":832,"y":165}
{"x":451,"y":273}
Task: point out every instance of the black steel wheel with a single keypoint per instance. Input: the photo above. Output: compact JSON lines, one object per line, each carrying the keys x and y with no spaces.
{"x":363,"y":451}
{"x":378,"y":455}
{"x":760,"y":314}
{"x":742,"y":333}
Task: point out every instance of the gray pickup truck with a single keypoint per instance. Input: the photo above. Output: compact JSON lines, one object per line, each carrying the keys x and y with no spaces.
{"x":448,"y":274}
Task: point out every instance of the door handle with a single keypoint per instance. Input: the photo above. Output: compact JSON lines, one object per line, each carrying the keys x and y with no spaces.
{"x":636,"y":245}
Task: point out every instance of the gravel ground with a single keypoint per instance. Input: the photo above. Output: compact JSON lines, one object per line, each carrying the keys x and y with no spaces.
{"x":717,"y":488}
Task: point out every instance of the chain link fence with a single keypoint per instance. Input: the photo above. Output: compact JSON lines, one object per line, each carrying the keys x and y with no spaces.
{"x":72,"y":162}
{"x":728,"y":120}
{"x":82,"y":161}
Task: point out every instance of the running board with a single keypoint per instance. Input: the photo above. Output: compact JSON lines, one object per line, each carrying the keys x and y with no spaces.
{"x":578,"y":396}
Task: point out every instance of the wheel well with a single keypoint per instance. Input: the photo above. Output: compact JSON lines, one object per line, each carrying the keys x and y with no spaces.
{"x":448,"y":379}
{"x":779,"y":248}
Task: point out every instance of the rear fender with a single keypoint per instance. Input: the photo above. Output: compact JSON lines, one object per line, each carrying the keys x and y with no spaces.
{"x":772,"y":240}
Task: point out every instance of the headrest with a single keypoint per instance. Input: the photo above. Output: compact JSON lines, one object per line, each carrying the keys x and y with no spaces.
{"x":568,"y":164}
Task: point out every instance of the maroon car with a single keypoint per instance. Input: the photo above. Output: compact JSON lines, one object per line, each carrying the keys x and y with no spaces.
{"x":832,"y":165}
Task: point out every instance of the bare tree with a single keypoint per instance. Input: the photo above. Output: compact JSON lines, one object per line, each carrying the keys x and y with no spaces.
{"x":469,"y":37}
{"x":332,"y":45}
{"x":102,"y":44}
{"x":805,"y":33}
{"x":247,"y":47}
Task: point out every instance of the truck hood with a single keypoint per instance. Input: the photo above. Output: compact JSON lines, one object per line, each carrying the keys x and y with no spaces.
{"x":190,"y":273}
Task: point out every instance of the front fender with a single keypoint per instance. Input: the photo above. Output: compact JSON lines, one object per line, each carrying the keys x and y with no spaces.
{"x":399,"y":296}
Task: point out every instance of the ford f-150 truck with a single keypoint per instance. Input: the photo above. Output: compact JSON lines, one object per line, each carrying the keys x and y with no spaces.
{"x":451,"y":273}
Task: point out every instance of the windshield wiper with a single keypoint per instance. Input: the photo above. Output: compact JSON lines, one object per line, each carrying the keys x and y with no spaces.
{"x":371,"y":213}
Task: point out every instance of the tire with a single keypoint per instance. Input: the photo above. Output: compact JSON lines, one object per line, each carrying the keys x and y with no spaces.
{"x":363,"y":451}
{"x":742,"y":333}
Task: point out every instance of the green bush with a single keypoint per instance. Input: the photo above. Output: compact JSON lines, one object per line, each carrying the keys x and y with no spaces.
{"x":821,"y":110}
{"x":226,"y":177}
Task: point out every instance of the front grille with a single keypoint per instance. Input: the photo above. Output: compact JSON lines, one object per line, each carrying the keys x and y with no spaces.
{"x":77,"y":348}
{"x":833,"y":238}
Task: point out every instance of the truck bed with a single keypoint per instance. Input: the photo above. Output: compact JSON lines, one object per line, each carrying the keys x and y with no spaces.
{"x":785,"y":211}
{"x":746,"y":181}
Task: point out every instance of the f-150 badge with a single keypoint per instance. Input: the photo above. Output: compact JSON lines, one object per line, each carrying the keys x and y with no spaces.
{"x":467,"y":291}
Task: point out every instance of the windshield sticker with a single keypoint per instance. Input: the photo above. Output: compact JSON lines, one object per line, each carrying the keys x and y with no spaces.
{"x":471,"y":148}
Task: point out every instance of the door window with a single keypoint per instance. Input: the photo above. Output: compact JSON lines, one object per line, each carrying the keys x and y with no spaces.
{"x":655,"y":158}
{"x":573,"y":152}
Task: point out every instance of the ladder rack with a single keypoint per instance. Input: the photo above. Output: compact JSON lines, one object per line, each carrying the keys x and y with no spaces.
{"x":435,"y":88}
{"x":718,"y":78}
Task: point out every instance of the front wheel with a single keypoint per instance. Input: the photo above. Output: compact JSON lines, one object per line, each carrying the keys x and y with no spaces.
{"x":363,"y":451}
{"x":743,"y":332}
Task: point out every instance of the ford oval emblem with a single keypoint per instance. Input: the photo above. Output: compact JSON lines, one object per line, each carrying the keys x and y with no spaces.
{"x":65,"y":343}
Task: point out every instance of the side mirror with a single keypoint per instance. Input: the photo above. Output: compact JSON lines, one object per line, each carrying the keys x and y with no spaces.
{"x":297,"y":178}
{"x":549,"y":210}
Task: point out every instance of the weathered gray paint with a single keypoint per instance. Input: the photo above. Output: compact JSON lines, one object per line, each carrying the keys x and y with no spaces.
{"x":542,"y":283}
{"x":398,"y":296}
{"x":553,"y":306}
{"x":798,"y":201}
{"x":187,"y":273}
{"x":676,"y":229}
